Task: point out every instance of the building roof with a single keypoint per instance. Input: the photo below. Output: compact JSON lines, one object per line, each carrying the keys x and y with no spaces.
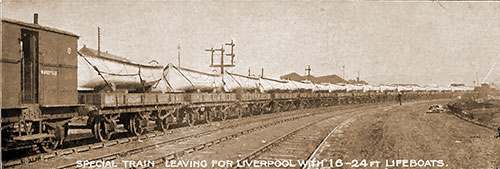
{"x":322,"y":79}
{"x":292,"y":76}
{"x":37,"y":26}
{"x":352,"y":81}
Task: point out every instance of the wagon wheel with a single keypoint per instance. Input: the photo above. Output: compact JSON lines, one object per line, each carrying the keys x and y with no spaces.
{"x":137,"y":125}
{"x":288,"y":106}
{"x":102,"y":131}
{"x":301,"y":105}
{"x":53,"y":142}
{"x":208,"y":115}
{"x":190,"y":118}
{"x":274,"y":108}
{"x":240,"y":112}
{"x":223,"y":115}
{"x":163,"y":124}
{"x":291,"y":106}
{"x":50,"y":145}
{"x":250,"y":111}
{"x":163,"y":121}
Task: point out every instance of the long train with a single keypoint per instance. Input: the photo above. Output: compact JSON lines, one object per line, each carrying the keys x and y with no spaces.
{"x":47,"y":84}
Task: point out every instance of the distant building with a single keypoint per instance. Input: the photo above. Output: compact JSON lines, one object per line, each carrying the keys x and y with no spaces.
{"x":321,"y":79}
{"x":456,"y":85}
{"x":404,"y":84}
{"x":357,"y":81}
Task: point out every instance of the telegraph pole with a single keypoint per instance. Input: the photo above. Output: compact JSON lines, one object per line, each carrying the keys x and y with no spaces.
{"x":211,"y":50}
{"x":221,"y":50}
{"x":232,"y":51}
{"x":308,"y":70}
{"x":179,"y":54}
{"x":357,"y":79}
{"x":343,"y":72}
{"x":98,"y":41}
{"x":222,"y":65}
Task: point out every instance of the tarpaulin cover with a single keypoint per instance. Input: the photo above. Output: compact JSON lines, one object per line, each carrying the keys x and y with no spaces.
{"x":180,"y":79}
{"x":121,"y":74}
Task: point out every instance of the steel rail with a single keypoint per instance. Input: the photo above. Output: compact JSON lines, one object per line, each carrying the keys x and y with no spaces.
{"x":128,"y":152}
{"x":111,"y":143}
{"x":291,"y":134}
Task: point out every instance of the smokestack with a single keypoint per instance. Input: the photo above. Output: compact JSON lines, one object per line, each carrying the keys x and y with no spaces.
{"x":35,"y":19}
{"x":262,"y":74}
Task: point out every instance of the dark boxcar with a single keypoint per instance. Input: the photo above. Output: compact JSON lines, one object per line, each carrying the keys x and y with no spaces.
{"x":39,"y":83}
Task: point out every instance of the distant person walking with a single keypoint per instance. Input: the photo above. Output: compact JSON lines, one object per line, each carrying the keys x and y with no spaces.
{"x":399,"y":98}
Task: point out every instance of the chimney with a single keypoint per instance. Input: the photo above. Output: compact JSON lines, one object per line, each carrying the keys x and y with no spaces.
{"x":35,"y":19}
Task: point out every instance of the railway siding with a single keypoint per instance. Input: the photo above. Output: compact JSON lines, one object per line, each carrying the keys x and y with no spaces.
{"x":104,"y":149}
{"x":175,"y":150}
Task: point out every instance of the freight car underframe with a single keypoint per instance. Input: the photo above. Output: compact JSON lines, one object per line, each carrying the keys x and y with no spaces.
{"x":136,"y":119}
{"x":33,"y":124}
{"x":48,"y":126}
{"x":104,"y":121}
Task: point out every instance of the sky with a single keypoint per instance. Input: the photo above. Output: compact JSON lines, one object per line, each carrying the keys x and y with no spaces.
{"x":423,"y":43}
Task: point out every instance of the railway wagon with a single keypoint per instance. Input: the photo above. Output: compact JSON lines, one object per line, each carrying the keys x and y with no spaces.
{"x":250,"y":100}
{"x":184,"y":99}
{"x":39,"y":85}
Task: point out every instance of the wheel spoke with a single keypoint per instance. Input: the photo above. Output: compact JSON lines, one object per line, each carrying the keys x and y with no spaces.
{"x":136,"y":127}
{"x":162,"y":122}
{"x":50,"y":145}
{"x":101,"y":130}
{"x":240,"y":112}
{"x":208,"y":116}
{"x":190,"y":119}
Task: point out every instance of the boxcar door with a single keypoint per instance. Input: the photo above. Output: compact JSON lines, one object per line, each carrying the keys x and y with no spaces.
{"x":29,"y":66}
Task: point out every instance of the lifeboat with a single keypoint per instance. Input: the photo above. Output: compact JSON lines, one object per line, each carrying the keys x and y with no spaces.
{"x":106,"y":71}
{"x":404,"y":88}
{"x":268,"y":84}
{"x":370,"y":88}
{"x":384,"y":88}
{"x":179,"y":79}
{"x":237,"y":82}
{"x":351,"y":87}
{"x":336,"y":87}
{"x":289,"y":85}
{"x":322,"y":87}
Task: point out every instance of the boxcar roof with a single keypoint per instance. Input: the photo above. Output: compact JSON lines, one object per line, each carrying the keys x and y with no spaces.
{"x":37,"y":26}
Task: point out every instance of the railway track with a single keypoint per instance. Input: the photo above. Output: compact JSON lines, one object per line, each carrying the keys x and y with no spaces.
{"x":303,"y":146}
{"x":177,"y":147}
{"x":294,"y":147}
{"x":85,"y":149}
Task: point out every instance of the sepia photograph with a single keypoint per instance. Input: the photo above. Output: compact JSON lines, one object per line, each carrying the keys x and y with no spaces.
{"x":303,"y":84}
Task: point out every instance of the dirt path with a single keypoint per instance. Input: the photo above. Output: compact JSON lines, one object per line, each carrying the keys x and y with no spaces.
{"x":414,"y":135}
